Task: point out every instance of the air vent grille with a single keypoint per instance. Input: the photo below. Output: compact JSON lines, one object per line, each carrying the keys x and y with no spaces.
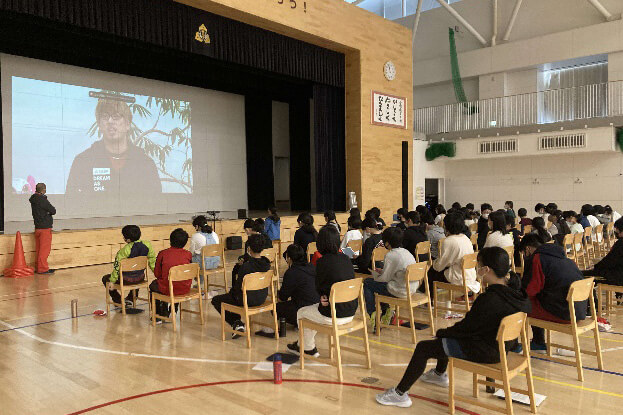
{"x":561,"y":142}
{"x":497,"y":146}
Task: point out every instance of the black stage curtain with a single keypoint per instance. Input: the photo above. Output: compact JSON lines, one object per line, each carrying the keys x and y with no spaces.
{"x":259,"y":131}
{"x":329,"y":137}
{"x":300,"y":163}
{"x":172,"y":25}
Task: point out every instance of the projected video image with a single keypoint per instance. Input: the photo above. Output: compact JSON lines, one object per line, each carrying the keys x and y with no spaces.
{"x":89,"y":141}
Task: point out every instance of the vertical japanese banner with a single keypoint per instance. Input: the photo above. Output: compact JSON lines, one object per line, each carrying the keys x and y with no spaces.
{"x":389,"y":110}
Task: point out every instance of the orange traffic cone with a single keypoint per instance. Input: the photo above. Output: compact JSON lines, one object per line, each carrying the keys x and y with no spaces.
{"x":19,"y":268}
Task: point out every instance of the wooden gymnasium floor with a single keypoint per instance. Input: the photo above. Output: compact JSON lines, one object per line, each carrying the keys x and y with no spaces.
{"x":52,"y":364}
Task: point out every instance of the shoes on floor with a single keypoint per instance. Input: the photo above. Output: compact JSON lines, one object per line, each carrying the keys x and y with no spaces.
{"x":239,"y":327}
{"x":386,"y":318}
{"x":436,"y":379}
{"x":294,"y":348}
{"x":540,"y":348}
{"x":391,"y":398}
{"x":48,"y":272}
{"x":603,"y":325}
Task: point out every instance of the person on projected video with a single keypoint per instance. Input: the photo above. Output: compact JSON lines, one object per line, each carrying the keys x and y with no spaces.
{"x":113,"y":165}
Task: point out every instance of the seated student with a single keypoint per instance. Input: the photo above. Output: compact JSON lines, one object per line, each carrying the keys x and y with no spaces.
{"x":298,"y":288}
{"x":600,"y":214}
{"x":538,"y":227}
{"x":272,"y":224}
{"x":611,"y":266}
{"x":470,"y":207}
{"x":376,"y":212}
{"x":554,"y":227}
{"x":523,"y":218}
{"x":589,"y":212}
{"x":456,"y":206}
{"x":331,"y":268}
{"x":508,"y":208}
{"x":470,"y":217}
{"x":434,"y":234}
{"x":550,"y":208}
{"x":510,"y":227}
{"x":331,"y":219}
{"x":353,"y":233}
{"x":571,"y":219}
{"x":414,"y":234}
{"x":134,"y":247}
{"x":483,"y":224}
{"x":390,"y":280}
{"x":499,"y":235}
{"x":613,"y":214}
{"x":440,"y":213}
{"x":306,"y":232}
{"x":447,"y":268}
{"x":547,"y":276}
{"x":255,"y":263}
{"x":540,"y":210}
{"x":167,"y":259}
{"x":475,"y":337}
{"x":205,"y":235}
{"x":582,"y":219}
{"x":260,"y":228}
{"x":402,"y":218}
{"x":363,"y":262}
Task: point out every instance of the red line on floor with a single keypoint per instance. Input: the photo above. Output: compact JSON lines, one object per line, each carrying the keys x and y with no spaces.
{"x":230,"y":382}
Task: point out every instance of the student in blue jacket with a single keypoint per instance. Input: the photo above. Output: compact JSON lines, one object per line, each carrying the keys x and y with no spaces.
{"x":272,"y":224}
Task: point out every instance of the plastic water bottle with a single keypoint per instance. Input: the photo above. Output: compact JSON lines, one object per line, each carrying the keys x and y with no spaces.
{"x":277,"y":369}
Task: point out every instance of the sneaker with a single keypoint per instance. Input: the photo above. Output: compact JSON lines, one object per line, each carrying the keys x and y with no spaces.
{"x":372,"y":320}
{"x":461,"y":299}
{"x":391,"y":397}
{"x":386,"y":318}
{"x":603,"y":324}
{"x":294,"y":348}
{"x":432,"y":377}
{"x":158,"y":321}
{"x":48,"y":272}
{"x":240,"y":328}
{"x":540,"y":348}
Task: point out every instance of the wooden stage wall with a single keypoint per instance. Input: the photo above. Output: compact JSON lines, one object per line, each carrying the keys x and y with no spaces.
{"x":99,"y":246}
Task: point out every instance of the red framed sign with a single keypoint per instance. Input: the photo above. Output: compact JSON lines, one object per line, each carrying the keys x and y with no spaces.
{"x":388,"y":110}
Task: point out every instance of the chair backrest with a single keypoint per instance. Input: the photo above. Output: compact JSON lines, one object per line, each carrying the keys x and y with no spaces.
{"x":378,"y":254}
{"x":511,"y":327}
{"x":527,"y":229}
{"x":138,"y":263}
{"x":415,"y":272}
{"x":473,"y":227}
{"x":440,"y":246}
{"x":311,"y":249}
{"x":599,"y":230}
{"x":257,"y":281}
{"x":184,"y":272}
{"x":345,"y":291}
{"x":423,"y":248}
{"x":580,"y":290}
{"x":510,"y":250}
{"x":577,"y":242}
{"x":271,"y":254}
{"x":213,"y":250}
{"x":474,"y":240}
{"x":588,"y":233}
{"x":469,"y":261}
{"x":355,"y":244}
{"x":277,"y":246}
{"x":610,"y":229}
{"x":569,"y":245}
{"x":548,"y":225}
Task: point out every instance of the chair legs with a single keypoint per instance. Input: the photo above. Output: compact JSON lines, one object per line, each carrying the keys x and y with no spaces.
{"x":302,"y":345}
{"x":451,"y":405}
{"x":507,"y":395}
{"x":530,"y":385}
{"x":338,"y":357}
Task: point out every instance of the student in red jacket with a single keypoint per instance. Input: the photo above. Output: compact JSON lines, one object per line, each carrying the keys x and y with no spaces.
{"x":168,"y":258}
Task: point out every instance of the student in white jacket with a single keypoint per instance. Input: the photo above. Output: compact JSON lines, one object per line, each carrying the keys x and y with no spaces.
{"x":447,"y":268}
{"x":499,"y":235}
{"x":390,"y":280}
{"x":353,"y":233}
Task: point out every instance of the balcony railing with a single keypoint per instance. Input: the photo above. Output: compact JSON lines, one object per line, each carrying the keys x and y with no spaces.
{"x":557,"y":105}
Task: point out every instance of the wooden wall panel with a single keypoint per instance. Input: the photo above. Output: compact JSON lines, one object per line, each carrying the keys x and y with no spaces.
{"x":373,"y":153}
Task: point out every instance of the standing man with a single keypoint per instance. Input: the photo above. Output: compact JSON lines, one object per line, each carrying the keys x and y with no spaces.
{"x":42,"y":212}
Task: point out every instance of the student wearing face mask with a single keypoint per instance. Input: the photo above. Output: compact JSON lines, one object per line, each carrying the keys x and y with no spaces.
{"x":483,"y":224}
{"x":611,"y":266}
{"x":474,"y":337}
{"x":548,"y":274}
{"x":499,"y":235}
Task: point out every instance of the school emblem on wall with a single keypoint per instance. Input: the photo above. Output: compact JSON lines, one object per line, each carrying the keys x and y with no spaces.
{"x":202,"y":35}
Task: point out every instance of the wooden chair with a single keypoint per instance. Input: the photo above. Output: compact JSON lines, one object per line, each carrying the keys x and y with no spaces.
{"x":311,"y":250}
{"x":578,"y":291}
{"x":589,"y":247}
{"x":510,"y":250}
{"x":474,"y":240}
{"x":341,"y":292}
{"x":414,"y":272}
{"x":473,"y":228}
{"x":511,"y":365}
{"x":579,"y":253}
{"x":568,"y":245}
{"x":273,"y":257}
{"x":378,"y":255}
{"x":519,"y":269}
{"x":252,"y":282}
{"x":440,"y":246}
{"x":138,"y":263}
{"x":423,"y":248}
{"x":277,"y":247}
{"x":356,"y":245}
{"x":468,"y":262}
{"x":179,"y":273}
{"x":600,"y":244}
{"x":611,"y":301}
{"x":527,"y":229}
{"x":208,"y":251}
